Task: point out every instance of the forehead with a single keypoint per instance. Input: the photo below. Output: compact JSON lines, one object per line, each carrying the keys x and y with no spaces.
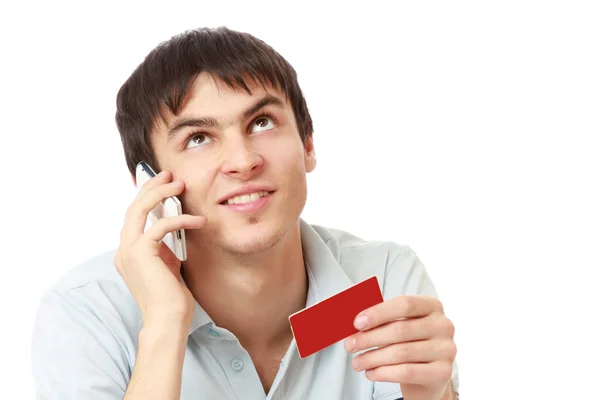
{"x":210,"y":96}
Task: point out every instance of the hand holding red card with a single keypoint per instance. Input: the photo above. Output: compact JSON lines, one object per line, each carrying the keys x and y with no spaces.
{"x":411,"y":342}
{"x":331,"y":320}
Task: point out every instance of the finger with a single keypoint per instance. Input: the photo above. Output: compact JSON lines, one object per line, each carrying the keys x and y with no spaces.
{"x":412,"y":373}
{"x":398,"y":307}
{"x":160,"y":178}
{"x":422,"y":351}
{"x":170,"y":224}
{"x":404,"y":330}
{"x":135,"y":220}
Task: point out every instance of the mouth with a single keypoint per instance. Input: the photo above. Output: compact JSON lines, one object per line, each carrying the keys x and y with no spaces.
{"x":246,"y":198}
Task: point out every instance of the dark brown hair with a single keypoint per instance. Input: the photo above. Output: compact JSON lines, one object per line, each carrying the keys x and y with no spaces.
{"x":162,"y":80}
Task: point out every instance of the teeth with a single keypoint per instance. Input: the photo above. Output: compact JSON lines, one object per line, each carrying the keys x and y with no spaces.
{"x":247,"y":198}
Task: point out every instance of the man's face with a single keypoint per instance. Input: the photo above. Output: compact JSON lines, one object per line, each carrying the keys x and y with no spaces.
{"x":242,"y":161}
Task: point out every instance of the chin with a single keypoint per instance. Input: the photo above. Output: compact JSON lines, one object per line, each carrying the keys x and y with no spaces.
{"x":253,"y":238}
{"x":251,"y":245}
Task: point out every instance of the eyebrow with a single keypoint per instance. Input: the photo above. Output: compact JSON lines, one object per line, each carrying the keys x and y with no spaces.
{"x":210,"y":122}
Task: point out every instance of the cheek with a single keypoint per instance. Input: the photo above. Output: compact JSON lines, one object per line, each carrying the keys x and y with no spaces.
{"x":287,"y":154}
{"x":290,"y":168}
{"x":197,"y":185}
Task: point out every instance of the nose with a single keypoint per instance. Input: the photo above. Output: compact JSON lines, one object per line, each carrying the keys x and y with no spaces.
{"x":240,"y":159}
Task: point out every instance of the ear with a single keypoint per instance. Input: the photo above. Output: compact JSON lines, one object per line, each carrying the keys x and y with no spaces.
{"x":310,"y":158}
{"x":134,"y":180}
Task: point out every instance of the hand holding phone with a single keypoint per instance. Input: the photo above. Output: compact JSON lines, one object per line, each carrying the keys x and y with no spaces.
{"x":169,"y":207}
{"x":151,"y":270}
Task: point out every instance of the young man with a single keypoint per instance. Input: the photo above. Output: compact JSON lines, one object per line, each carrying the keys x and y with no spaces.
{"x":221,"y":114}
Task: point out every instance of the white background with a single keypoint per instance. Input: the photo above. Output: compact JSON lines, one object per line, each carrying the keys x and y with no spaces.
{"x":467,"y":130}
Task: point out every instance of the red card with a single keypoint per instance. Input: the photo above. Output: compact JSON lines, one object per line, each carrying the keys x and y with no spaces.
{"x":331,"y":320}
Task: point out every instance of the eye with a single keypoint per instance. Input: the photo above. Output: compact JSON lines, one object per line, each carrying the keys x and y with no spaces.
{"x":262,"y":124}
{"x":197,"y":139}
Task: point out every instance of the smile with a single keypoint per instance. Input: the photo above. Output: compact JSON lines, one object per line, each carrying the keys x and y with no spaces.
{"x":246,"y":198}
{"x":250,"y":203}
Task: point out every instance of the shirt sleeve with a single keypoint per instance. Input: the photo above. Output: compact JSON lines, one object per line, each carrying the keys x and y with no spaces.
{"x":74,"y":355}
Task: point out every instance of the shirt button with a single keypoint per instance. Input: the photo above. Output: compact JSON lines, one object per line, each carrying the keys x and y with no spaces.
{"x":237,"y":364}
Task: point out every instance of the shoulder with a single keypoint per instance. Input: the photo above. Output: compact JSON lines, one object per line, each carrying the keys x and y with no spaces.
{"x":94,"y":289}
{"x":99,"y":268}
{"x":86,"y":315}
{"x":91,"y":280}
{"x":349,"y":248}
{"x":397,"y":266}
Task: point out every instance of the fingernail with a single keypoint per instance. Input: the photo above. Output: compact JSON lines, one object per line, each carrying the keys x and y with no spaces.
{"x":350,"y":343}
{"x":361,"y":322}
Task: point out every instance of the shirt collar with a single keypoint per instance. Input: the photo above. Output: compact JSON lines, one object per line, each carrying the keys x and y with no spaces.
{"x":200,"y":317}
{"x":325,"y":275}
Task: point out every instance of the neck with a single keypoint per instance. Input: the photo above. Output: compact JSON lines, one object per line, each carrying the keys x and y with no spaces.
{"x":251,"y":296}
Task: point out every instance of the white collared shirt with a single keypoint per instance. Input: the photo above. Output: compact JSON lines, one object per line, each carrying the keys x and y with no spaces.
{"x":86,"y":332}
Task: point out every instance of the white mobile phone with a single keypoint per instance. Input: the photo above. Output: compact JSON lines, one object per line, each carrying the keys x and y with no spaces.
{"x":169,"y":207}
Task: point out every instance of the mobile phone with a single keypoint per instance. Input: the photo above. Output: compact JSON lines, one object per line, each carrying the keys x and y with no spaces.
{"x":169,"y":207}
